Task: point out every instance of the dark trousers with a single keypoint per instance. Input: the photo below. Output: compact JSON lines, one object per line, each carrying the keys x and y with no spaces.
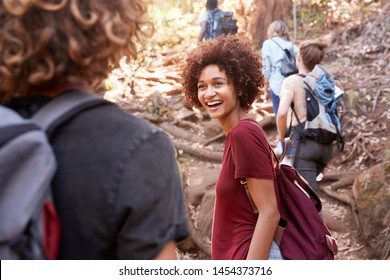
{"x":311,"y":159}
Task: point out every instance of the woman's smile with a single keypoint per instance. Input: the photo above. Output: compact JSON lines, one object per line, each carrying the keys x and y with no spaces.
{"x":214,"y":104}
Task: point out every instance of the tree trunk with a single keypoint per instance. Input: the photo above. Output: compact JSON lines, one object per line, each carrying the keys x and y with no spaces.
{"x":258,"y":15}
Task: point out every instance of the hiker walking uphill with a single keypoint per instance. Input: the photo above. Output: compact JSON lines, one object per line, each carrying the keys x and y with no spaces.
{"x":309,"y":154}
{"x":117,"y":190}
{"x":214,"y":22}
{"x":278,"y":55}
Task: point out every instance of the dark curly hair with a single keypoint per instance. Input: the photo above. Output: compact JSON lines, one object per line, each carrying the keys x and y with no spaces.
{"x":44,"y":43}
{"x":234,"y":55}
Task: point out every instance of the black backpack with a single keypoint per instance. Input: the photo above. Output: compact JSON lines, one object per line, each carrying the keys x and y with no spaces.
{"x":220,"y":23}
{"x":289,"y":66}
{"x":228,"y":23}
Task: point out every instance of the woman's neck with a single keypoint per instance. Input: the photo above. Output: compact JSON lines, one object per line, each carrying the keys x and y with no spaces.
{"x":302,"y":69}
{"x":228,"y":124}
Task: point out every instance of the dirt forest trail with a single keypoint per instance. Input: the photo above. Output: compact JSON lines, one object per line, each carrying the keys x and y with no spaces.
{"x":359,"y":61}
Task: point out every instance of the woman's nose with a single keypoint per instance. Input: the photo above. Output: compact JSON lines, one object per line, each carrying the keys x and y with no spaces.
{"x":210,"y":91}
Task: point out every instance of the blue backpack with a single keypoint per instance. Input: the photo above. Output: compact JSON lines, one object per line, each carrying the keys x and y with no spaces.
{"x":322,"y":121}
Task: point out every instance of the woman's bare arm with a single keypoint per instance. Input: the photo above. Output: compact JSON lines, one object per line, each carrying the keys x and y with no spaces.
{"x":263,"y":195}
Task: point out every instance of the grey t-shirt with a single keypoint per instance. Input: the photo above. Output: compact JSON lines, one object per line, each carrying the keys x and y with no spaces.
{"x":117,"y":189}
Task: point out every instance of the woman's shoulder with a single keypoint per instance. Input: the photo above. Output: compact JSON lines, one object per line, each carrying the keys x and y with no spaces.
{"x":243,"y":125}
{"x":295,"y":79}
{"x":291,"y":85}
{"x":248,"y":137}
{"x":268,"y":44}
{"x":202,"y":17}
{"x":286,"y":43}
{"x":247,"y":128}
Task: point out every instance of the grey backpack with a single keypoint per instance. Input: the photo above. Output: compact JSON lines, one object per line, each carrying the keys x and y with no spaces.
{"x":29,"y":225}
{"x":289,"y":66}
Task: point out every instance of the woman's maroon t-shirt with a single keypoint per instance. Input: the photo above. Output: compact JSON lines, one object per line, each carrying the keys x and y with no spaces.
{"x":234,"y":219}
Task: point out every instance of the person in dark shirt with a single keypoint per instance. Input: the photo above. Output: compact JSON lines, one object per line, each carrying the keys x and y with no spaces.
{"x":117,"y":189}
{"x":223,"y":76}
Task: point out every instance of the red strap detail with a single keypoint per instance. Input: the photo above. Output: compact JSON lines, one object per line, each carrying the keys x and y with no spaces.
{"x":51,"y":234}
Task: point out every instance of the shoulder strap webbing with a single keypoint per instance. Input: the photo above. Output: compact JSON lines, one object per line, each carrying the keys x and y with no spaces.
{"x":64,"y":107}
{"x":276,"y":162}
{"x":8,"y":133}
{"x":277,"y":44}
{"x":292,"y":45}
{"x":292,"y":105}
{"x":212,"y":17}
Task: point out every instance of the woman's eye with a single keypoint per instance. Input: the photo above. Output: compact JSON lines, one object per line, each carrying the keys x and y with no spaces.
{"x":219,"y":83}
{"x":201,"y":86}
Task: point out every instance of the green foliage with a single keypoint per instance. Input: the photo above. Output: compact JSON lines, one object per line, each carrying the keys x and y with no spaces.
{"x":176,"y":21}
{"x":173,"y":28}
{"x":318,"y":15}
{"x":175,"y":25}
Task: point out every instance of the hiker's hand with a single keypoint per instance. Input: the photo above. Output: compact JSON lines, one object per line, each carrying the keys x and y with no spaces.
{"x":279,"y":148}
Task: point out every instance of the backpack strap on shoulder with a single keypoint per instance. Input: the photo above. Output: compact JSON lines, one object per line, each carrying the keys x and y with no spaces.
{"x":292,"y":105}
{"x":64,"y":107}
{"x":212,"y":18}
{"x":287,"y":51}
{"x":277,"y":164}
{"x":277,"y":44}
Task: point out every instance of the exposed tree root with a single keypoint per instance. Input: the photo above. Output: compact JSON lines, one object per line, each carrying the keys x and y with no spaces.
{"x":342,"y":180}
{"x":347,"y":199}
{"x":215,"y":138}
{"x":199,"y":152}
{"x":181,"y":133}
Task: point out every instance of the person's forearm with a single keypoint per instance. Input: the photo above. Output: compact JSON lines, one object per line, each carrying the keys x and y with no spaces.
{"x":168,"y":252}
{"x":201,"y":36}
{"x":263,"y":235}
{"x":281,"y":125}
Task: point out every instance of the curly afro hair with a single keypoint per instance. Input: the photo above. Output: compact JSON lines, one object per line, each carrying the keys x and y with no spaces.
{"x":44,"y":43}
{"x":235,"y":56}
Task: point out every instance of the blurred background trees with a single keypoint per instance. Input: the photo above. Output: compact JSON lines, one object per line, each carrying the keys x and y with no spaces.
{"x":176,"y":20}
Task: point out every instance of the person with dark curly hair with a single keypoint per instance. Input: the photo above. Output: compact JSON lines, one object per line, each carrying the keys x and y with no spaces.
{"x":117,"y":189}
{"x":224,"y":76}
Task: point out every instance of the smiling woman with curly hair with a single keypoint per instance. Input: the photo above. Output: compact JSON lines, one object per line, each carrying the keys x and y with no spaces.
{"x":117,"y":187}
{"x":223,"y":76}
{"x":233,"y":55}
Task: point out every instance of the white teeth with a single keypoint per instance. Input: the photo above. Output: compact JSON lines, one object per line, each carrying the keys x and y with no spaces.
{"x":213,"y":103}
